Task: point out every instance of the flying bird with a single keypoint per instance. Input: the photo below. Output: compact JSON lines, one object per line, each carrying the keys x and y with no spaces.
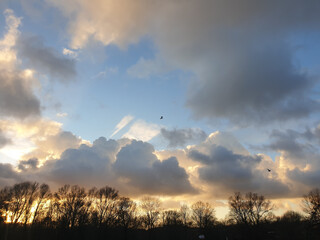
{"x":161,"y":117}
{"x":269,"y":170}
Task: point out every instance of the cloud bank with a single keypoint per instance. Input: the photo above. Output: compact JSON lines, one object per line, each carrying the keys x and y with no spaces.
{"x":213,"y":168}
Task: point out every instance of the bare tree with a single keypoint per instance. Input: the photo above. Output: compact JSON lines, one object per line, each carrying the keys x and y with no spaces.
{"x":69,"y":204}
{"x":31,"y":197}
{"x":5,"y":197}
{"x":151,"y":207}
{"x":171,"y":218}
{"x":291,"y":217}
{"x":105,"y":205}
{"x":22,"y":197}
{"x":311,"y":205}
{"x":126,"y":213}
{"x":202,"y":214}
{"x":249,"y":210}
{"x":184,"y":213}
{"x":42,"y":197}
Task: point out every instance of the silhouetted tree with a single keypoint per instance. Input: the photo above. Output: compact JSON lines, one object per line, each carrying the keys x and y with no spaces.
{"x":5,"y":197}
{"x":184,"y":213}
{"x":22,"y":196}
{"x":291,"y":217}
{"x":171,"y":218}
{"x":151,"y":208}
{"x":311,"y":206}
{"x":202,"y":214}
{"x":249,"y":210}
{"x":69,"y":204}
{"x":126,"y":213}
{"x":105,"y":205}
{"x":31,"y":197}
{"x":42,"y":197}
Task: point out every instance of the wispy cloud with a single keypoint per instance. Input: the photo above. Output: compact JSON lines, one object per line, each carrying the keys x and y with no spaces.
{"x":142,"y":130}
{"x":124,"y":122}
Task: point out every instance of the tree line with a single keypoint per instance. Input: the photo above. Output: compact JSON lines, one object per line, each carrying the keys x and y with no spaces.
{"x":31,"y":211}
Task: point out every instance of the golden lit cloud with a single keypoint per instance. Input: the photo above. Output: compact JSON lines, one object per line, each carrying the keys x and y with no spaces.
{"x":105,"y":21}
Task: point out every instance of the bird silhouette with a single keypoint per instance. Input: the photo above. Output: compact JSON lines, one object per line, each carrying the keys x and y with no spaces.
{"x":269,"y":170}
{"x":161,"y":117}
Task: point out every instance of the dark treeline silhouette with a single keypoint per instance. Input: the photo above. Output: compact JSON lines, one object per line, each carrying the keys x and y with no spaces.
{"x":29,"y":210}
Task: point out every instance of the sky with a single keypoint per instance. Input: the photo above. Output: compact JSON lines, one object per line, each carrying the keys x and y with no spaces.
{"x":83,"y":84}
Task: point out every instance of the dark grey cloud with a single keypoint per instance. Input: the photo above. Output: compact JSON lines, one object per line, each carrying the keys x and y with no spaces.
{"x":137,"y":163}
{"x":232,"y":172}
{"x":288,"y":142}
{"x":4,"y":140}
{"x":16,"y":96}
{"x":301,"y":153}
{"x":28,"y":164}
{"x":46,"y":59}
{"x":243,"y":57}
{"x":84,"y":165}
{"x":181,"y":137}
{"x":298,"y":148}
{"x":130,"y":166}
{"x":8,"y":175}
{"x":110,"y":161}
{"x":311,"y":178}
{"x":254,"y":85}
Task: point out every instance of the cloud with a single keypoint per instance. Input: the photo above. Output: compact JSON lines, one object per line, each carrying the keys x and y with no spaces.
{"x":299,"y":157}
{"x":16,"y":97}
{"x":35,"y":138}
{"x":51,"y":146}
{"x":287,"y":142}
{"x":180,"y":137}
{"x":297,"y":149}
{"x":226,"y":171}
{"x":26,"y":164}
{"x":141,"y":169}
{"x":70,"y":53}
{"x":142,"y":130}
{"x":62,"y":115}
{"x":308,"y":178}
{"x":210,"y":169}
{"x":124,"y":122}
{"x":46,"y":59}
{"x":4,"y":140}
{"x":16,"y":93}
{"x":105,"y":21}
{"x":244,"y":67}
{"x":241,"y":53}
{"x":83,"y":166}
{"x":129,"y":166}
{"x":8,"y":175}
